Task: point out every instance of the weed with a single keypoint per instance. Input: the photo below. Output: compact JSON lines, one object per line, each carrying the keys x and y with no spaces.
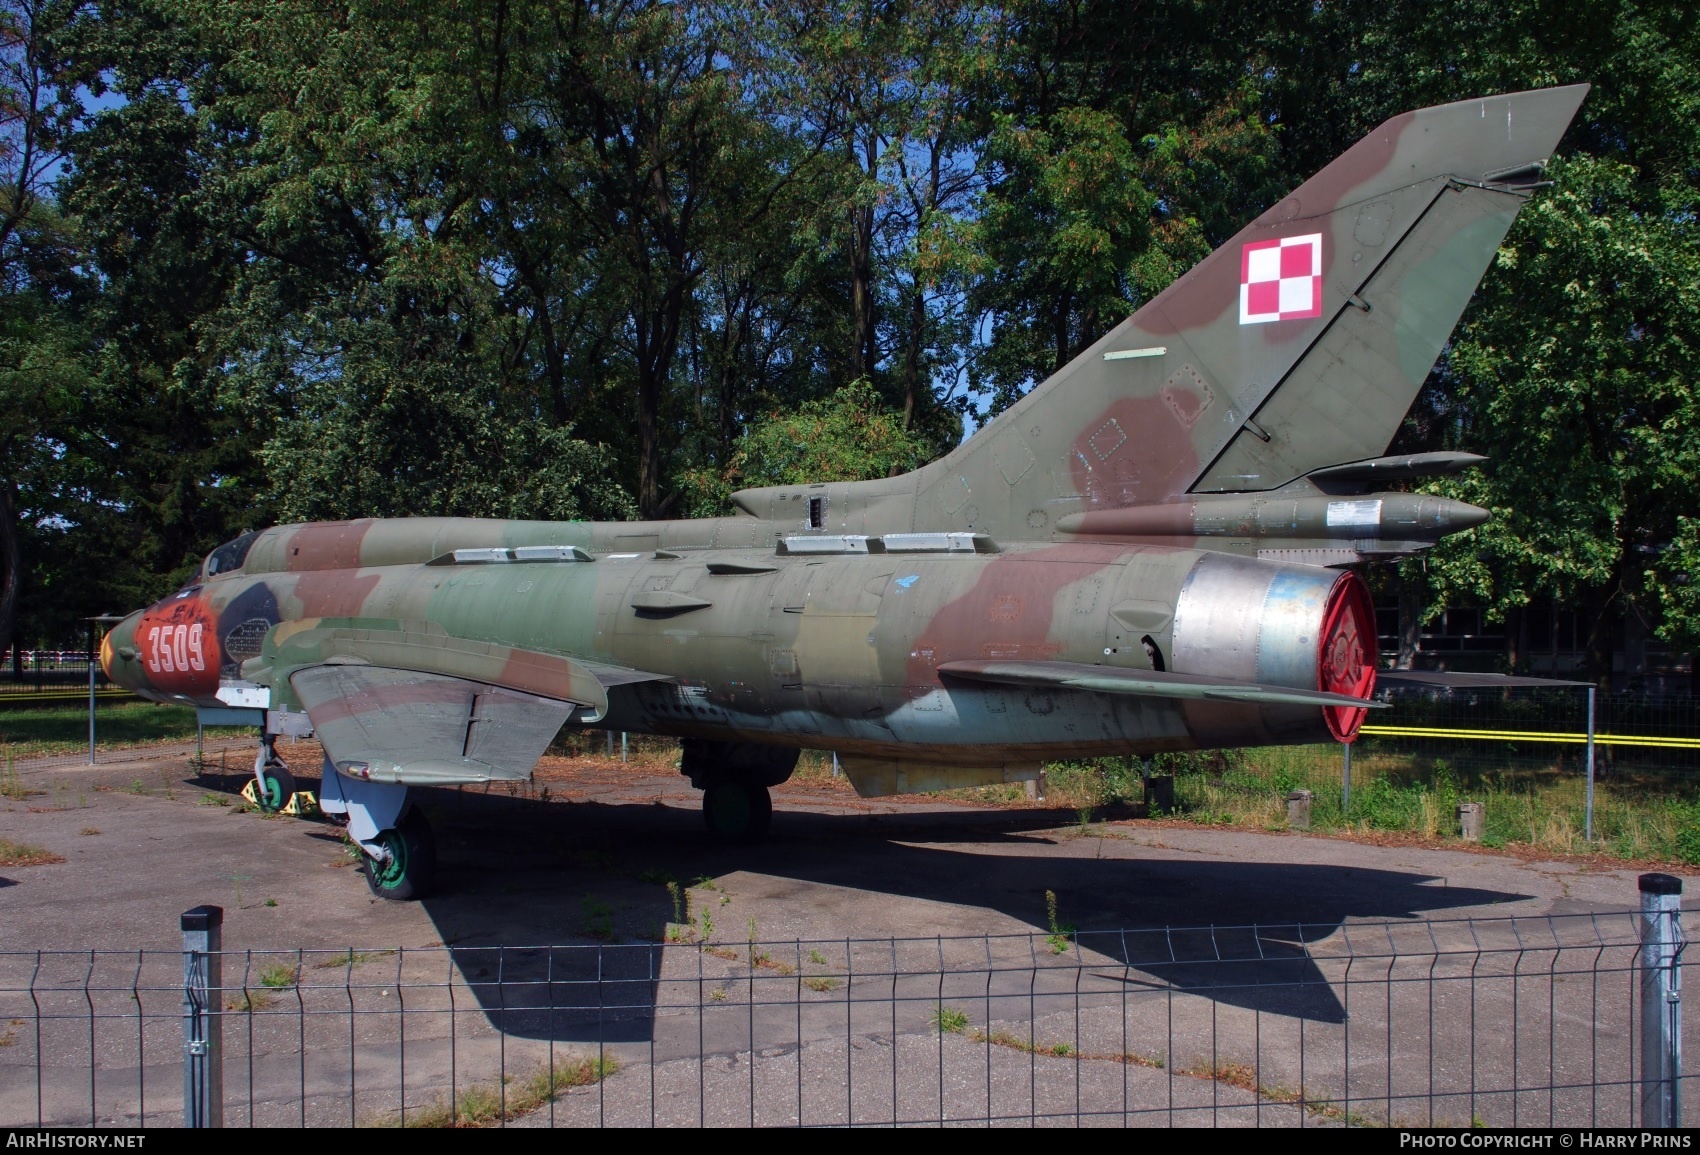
{"x":704,"y":882}
{"x":598,"y":918}
{"x":351,"y":958}
{"x":817,"y":958}
{"x":950,"y":1020}
{"x":212,"y":800}
{"x":24,"y":854}
{"x":271,"y":902}
{"x":681,"y":901}
{"x":136,"y":786}
{"x":718,"y":995}
{"x":90,"y":830}
{"x":489,"y":1104}
{"x":236,"y":881}
{"x":1084,"y":813}
{"x":705,"y":929}
{"x":279,"y":976}
{"x":249,"y":1001}
{"x":821,"y":983}
{"x":1061,"y":933}
{"x":12,"y":786}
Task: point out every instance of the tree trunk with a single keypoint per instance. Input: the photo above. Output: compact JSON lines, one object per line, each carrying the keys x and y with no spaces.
{"x":11,"y":563}
{"x":912,"y":356}
{"x":861,"y":292}
{"x":1516,"y":638}
{"x":1410,"y":622}
{"x":1603,"y":634}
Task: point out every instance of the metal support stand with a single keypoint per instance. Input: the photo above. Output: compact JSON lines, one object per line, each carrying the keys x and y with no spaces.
{"x":1345,"y":778}
{"x":203,"y":1034}
{"x":1662,"y":941}
{"x":622,"y":745}
{"x":1588,"y":813}
{"x":91,"y":695}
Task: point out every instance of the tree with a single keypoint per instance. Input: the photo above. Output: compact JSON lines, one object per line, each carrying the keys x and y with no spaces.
{"x":849,"y":436}
{"x":37,"y":108}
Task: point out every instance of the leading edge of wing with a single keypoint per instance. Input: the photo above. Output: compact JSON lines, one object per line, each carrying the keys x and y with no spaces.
{"x":426,"y":648}
{"x":1143,"y":683}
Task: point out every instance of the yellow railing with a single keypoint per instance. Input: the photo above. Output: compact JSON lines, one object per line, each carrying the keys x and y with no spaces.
{"x":1568,"y":738}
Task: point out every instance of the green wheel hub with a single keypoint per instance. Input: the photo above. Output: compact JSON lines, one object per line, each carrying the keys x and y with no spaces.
{"x":389,"y":874}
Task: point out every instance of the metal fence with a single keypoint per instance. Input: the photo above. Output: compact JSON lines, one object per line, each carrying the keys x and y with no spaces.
{"x":1535,"y":1021}
{"x":51,"y":674}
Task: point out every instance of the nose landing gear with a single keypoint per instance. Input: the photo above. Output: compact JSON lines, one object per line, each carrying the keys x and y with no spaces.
{"x":273,"y":784}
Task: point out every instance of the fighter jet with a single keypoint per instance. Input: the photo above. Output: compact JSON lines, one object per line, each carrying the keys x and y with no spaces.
{"x":1149,"y":552}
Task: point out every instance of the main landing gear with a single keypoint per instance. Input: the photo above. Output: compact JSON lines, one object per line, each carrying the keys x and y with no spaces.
{"x":734,"y":778}
{"x":397,"y":849}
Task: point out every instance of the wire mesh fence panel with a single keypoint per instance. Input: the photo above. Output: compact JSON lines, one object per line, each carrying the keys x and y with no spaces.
{"x":1502,"y":1022}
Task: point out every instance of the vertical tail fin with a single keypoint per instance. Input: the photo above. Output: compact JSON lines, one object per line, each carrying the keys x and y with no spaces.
{"x":1299,"y":344}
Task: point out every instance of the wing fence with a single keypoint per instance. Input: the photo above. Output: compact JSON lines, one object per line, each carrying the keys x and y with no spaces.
{"x":1527,"y":1021}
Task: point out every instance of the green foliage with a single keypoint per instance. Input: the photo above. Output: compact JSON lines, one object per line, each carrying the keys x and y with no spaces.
{"x":849,"y":436}
{"x":950,"y":1020}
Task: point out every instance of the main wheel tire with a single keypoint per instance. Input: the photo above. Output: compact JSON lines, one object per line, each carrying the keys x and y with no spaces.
{"x":274,"y":794}
{"x":412,"y":865}
{"x":737,"y":811}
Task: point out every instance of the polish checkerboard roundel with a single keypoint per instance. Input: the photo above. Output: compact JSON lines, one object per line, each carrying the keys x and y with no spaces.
{"x":1281,"y":279}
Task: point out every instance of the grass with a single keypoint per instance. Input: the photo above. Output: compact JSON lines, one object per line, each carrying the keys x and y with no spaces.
{"x":487,"y":1104}
{"x":47,"y":730}
{"x":950,"y":1020}
{"x":24,"y":854}
{"x":12,"y":786}
{"x":1638,"y":816}
{"x":1062,"y":934}
{"x":279,"y":976}
{"x":350,"y":958}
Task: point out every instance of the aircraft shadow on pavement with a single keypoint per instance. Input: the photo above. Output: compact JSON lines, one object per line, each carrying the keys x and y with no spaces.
{"x":516,"y":872}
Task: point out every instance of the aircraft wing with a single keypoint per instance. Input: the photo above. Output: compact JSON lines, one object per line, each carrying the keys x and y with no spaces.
{"x":407,"y":702}
{"x":1143,"y":683}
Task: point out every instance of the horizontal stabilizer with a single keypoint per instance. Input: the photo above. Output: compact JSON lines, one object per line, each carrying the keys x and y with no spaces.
{"x":1143,"y":683}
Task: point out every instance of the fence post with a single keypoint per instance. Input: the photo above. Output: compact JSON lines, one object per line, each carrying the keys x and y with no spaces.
{"x":1346,"y":778}
{"x":1661,"y":1000}
{"x":203,"y":1030}
{"x":1588,"y":815}
{"x":91,"y":704}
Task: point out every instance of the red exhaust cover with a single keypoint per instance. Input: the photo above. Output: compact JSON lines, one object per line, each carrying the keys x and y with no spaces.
{"x":1346,"y":664}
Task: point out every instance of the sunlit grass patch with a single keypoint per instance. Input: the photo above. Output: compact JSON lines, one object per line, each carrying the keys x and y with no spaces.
{"x":487,"y":1104}
{"x":24,"y":854}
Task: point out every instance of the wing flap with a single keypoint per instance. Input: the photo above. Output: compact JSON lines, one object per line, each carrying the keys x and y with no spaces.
{"x":1144,"y":683}
{"x":416,"y":728}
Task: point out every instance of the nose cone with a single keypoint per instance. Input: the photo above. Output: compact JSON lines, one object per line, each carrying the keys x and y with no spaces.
{"x":1463,"y":515}
{"x":167,"y":652}
{"x":118,"y":656}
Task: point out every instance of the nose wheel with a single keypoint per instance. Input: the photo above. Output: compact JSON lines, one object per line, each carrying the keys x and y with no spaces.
{"x":737,"y":811}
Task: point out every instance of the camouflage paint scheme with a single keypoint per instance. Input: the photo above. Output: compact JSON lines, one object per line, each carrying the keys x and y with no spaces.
{"x":1144,"y":554}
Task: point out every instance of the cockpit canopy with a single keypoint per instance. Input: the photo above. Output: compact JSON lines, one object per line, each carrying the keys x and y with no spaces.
{"x":229,"y":556}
